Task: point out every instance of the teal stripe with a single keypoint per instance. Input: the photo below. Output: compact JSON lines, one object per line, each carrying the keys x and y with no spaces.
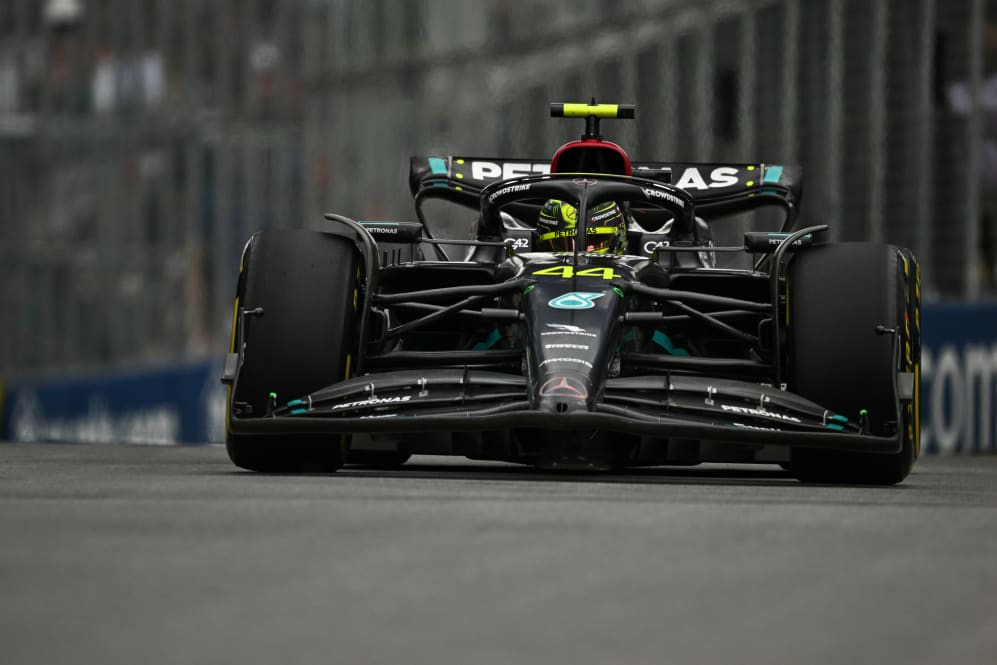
{"x":297,"y":411}
{"x":773,"y":174}
{"x":665,"y":342}
{"x":835,"y":427}
{"x":841,"y":418}
{"x":438,"y":166}
{"x":488,"y":343}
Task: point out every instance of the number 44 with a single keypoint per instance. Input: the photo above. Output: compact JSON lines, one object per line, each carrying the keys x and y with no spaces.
{"x":566,"y":272}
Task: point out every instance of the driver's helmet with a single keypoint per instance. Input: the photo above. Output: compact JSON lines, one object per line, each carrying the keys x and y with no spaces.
{"x":606,"y":232}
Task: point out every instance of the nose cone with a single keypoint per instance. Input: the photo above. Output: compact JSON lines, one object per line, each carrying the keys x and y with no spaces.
{"x":571,"y":341}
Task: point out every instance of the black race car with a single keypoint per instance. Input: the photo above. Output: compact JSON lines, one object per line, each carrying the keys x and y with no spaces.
{"x":367,"y":342}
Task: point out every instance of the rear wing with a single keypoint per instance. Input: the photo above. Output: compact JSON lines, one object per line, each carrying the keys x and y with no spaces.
{"x":718,"y":189}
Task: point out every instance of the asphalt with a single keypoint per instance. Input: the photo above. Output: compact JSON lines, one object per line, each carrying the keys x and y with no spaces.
{"x":119,"y":554}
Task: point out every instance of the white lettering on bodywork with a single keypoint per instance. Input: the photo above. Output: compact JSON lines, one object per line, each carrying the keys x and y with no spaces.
{"x":652,"y":193}
{"x":492,"y":171}
{"x":509,"y":190}
{"x":761,"y":413}
{"x":723,"y":176}
{"x":577,"y":361}
{"x":373,"y":401}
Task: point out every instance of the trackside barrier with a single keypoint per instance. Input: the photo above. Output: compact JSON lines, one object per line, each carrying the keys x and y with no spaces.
{"x":959,"y":378}
{"x":186,"y":403}
{"x":179,"y":404}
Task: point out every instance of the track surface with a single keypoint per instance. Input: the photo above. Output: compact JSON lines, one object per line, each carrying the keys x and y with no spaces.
{"x":171,"y":555}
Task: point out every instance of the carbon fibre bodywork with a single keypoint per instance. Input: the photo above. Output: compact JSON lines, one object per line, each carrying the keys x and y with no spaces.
{"x":592,"y":360}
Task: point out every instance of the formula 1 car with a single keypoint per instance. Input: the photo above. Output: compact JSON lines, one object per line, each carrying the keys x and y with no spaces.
{"x":366,"y":342}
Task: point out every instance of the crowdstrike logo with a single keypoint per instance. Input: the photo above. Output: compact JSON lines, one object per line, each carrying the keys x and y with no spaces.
{"x":509,"y":190}
{"x":602,"y":216}
{"x":652,"y":193}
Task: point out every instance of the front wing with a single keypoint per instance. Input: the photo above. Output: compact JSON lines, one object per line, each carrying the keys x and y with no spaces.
{"x":467,"y":400}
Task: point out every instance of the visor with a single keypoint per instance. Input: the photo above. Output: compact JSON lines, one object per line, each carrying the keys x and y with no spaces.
{"x":601,"y":239}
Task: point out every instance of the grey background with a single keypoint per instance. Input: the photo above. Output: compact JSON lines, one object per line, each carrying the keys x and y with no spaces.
{"x":143,"y":141}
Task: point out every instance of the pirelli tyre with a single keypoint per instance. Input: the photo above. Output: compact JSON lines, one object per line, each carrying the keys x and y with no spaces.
{"x":307,"y":285}
{"x":847,"y":302}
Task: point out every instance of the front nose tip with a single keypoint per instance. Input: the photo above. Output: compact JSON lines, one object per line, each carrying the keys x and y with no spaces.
{"x":562,"y":405}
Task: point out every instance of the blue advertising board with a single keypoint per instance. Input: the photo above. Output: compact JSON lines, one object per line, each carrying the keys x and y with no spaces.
{"x":182,"y":403}
{"x":958,"y":376}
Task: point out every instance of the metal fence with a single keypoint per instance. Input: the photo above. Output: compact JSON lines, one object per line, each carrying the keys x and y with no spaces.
{"x":142,"y":141}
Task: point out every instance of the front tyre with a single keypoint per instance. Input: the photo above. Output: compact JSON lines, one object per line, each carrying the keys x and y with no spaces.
{"x":307,"y":284}
{"x":838,"y":295}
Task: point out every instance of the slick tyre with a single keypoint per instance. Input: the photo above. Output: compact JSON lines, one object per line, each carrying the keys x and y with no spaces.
{"x":838,"y":295}
{"x":307,"y":285}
